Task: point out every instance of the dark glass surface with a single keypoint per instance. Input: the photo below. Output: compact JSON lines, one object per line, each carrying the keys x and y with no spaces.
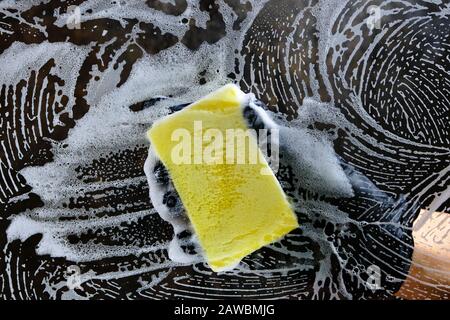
{"x":390,"y":83}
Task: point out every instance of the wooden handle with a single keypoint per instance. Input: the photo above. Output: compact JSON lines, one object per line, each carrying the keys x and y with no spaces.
{"x":429,"y":276}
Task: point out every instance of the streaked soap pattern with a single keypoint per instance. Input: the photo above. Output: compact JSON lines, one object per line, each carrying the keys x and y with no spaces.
{"x":75,"y":104}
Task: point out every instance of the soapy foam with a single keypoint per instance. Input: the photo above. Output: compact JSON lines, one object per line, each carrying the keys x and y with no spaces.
{"x":174,"y":73}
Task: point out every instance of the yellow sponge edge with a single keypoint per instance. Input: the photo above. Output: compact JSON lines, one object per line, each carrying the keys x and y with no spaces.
{"x":234,"y":209}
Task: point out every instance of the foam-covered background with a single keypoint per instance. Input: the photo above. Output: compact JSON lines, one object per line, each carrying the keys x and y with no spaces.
{"x":77,"y":98}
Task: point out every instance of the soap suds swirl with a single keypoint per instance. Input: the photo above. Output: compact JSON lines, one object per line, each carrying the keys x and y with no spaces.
{"x":72,"y":188}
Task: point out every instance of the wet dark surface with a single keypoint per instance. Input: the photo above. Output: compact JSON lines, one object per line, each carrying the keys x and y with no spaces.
{"x":391,"y":85}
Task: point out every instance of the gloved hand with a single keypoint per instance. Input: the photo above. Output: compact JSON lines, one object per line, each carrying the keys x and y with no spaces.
{"x":309,"y":155}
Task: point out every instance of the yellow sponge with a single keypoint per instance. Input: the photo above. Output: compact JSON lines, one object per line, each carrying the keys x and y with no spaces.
{"x":233,"y":207}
